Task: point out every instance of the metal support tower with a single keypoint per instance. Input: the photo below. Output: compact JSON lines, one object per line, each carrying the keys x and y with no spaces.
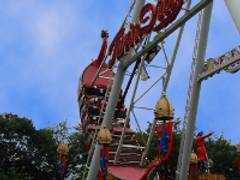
{"x":107,"y":120}
{"x":194,"y":94}
{"x":187,"y":107}
{"x":123,"y":65}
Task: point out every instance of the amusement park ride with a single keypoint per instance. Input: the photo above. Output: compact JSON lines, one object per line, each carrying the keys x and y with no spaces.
{"x":114,"y":152}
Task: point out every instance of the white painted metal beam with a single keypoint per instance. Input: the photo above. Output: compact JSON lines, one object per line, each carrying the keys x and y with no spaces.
{"x":224,"y":62}
{"x":233,"y":7}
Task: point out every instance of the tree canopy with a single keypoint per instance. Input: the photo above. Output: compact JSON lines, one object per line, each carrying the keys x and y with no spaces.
{"x":27,"y":152}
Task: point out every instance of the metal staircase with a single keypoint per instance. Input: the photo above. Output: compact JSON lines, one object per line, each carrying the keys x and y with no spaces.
{"x":103,"y":108}
{"x":131,"y":151}
{"x":91,"y":150}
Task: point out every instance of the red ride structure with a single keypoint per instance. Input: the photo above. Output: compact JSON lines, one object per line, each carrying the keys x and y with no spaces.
{"x":112,"y":148}
{"x":95,"y":85}
{"x":92,"y":98}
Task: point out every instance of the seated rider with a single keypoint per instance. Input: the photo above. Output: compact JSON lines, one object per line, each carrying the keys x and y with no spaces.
{"x":120,"y":114}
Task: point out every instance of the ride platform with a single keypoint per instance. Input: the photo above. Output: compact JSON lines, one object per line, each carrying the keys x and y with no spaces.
{"x":129,"y":173}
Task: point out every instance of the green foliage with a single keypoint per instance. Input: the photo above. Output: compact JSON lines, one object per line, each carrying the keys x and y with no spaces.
{"x":25,"y":151}
{"x":77,"y":155}
{"x":224,"y":156}
{"x":12,"y":175}
{"x":61,"y":132}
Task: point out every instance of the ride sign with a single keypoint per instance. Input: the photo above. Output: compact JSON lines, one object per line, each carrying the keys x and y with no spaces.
{"x":152,"y":18}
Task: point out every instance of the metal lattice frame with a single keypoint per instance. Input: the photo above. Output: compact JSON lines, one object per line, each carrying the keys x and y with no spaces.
{"x":127,"y":61}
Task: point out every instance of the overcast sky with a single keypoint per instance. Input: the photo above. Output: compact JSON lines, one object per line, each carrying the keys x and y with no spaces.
{"x":45,"y":45}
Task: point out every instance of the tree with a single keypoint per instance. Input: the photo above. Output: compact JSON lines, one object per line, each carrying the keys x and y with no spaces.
{"x":224,"y":156}
{"x":25,"y":151}
{"x":61,"y":132}
{"x":77,"y":155}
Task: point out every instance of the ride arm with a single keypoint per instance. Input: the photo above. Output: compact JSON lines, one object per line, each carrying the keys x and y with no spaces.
{"x":103,"y":50}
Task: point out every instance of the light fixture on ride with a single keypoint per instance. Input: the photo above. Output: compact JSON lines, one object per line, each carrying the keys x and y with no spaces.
{"x":63,"y":153}
{"x":163,"y":109}
{"x":104,"y":136}
{"x":144,"y":74}
{"x":63,"y":149}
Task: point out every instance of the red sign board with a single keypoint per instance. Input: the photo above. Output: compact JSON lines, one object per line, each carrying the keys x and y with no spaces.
{"x":152,"y":18}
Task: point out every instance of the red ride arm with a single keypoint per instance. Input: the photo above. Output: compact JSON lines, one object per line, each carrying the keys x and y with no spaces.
{"x":102,"y":52}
